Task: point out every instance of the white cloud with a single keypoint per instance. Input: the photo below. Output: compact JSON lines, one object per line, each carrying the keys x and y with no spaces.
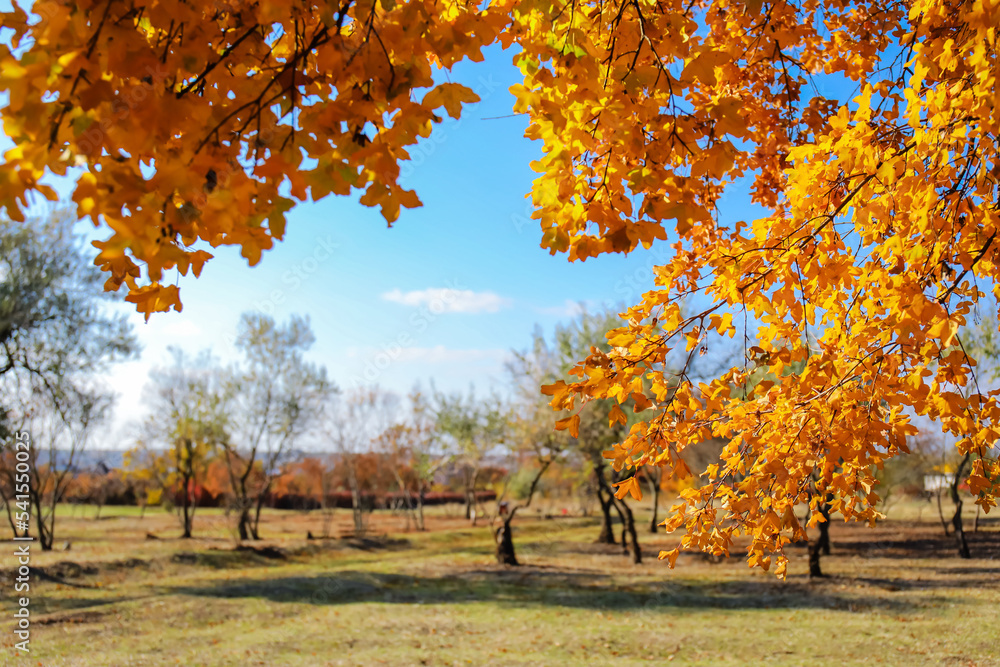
{"x":447,"y":300}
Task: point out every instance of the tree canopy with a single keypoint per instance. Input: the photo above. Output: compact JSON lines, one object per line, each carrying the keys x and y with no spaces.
{"x":198,"y":125}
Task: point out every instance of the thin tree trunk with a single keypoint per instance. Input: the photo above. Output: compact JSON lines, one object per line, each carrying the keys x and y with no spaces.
{"x":629,"y":527}
{"x":607,"y":534}
{"x":261,"y":499}
{"x":470,"y":496}
{"x":655,"y":484}
{"x":255,"y":528}
{"x":944,"y":523}
{"x":956,"y":519}
{"x":605,"y":497}
{"x":624,"y":523}
{"x":356,"y":510}
{"x":44,"y":534}
{"x":186,"y":514}
{"x":411,"y":508}
{"x":420,"y":511}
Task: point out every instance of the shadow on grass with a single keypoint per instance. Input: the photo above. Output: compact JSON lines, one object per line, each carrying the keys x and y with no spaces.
{"x":893,"y":584}
{"x":525,"y":587}
{"x":982,"y":545}
{"x":56,"y":606}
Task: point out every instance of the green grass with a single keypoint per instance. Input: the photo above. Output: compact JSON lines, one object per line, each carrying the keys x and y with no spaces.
{"x":896,"y":597}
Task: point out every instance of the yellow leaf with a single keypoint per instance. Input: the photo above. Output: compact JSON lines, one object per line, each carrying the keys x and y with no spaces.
{"x":616,"y":415}
{"x":628,"y":486}
{"x":450,"y":96}
{"x":670,"y":556}
{"x":572,"y":423}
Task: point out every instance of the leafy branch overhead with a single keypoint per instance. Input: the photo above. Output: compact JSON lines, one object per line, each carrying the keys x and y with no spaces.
{"x":198,"y":125}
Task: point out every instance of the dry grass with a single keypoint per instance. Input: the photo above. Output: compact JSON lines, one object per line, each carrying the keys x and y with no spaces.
{"x":896,"y":596}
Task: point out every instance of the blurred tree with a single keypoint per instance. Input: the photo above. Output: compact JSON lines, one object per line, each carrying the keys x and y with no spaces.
{"x":594,"y":433}
{"x":58,"y":334}
{"x":272,"y":399}
{"x":186,"y":427}
{"x":471,"y":429}
{"x":353,"y":424}
{"x":412,"y":444}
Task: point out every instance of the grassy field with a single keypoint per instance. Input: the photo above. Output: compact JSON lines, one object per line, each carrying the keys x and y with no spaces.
{"x":896,"y":596}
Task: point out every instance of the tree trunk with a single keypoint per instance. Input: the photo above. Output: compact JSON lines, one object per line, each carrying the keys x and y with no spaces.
{"x":944,"y":523}
{"x":504,"y":535}
{"x":357,"y":512}
{"x":411,"y":508}
{"x":824,"y":526}
{"x":956,"y":519}
{"x":255,"y":522}
{"x":624,"y":523}
{"x":815,"y":549}
{"x":605,"y":497}
{"x":470,"y":496}
{"x":607,"y":534}
{"x":186,"y":513}
{"x":821,"y":545}
{"x":45,"y":537}
{"x":653,"y":524}
{"x":823,"y":541}
{"x":505,"y":543}
{"x":420,"y":511}
{"x":632,"y":534}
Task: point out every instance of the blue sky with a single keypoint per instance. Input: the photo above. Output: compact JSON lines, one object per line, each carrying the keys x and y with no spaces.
{"x":443,"y":295}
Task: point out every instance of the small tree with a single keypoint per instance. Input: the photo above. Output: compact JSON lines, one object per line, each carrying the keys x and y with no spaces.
{"x":274,"y":397}
{"x":532,"y":441}
{"x":471,"y":429}
{"x":353,"y":424}
{"x":59,"y":430}
{"x":186,"y":427}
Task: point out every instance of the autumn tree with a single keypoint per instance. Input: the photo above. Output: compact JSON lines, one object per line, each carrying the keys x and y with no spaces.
{"x":273,"y":397}
{"x":471,"y":429}
{"x":184,"y":431}
{"x":413,"y":446}
{"x":197,"y":125}
{"x":534,"y":447}
{"x":143,"y":482}
{"x":353,"y":424}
